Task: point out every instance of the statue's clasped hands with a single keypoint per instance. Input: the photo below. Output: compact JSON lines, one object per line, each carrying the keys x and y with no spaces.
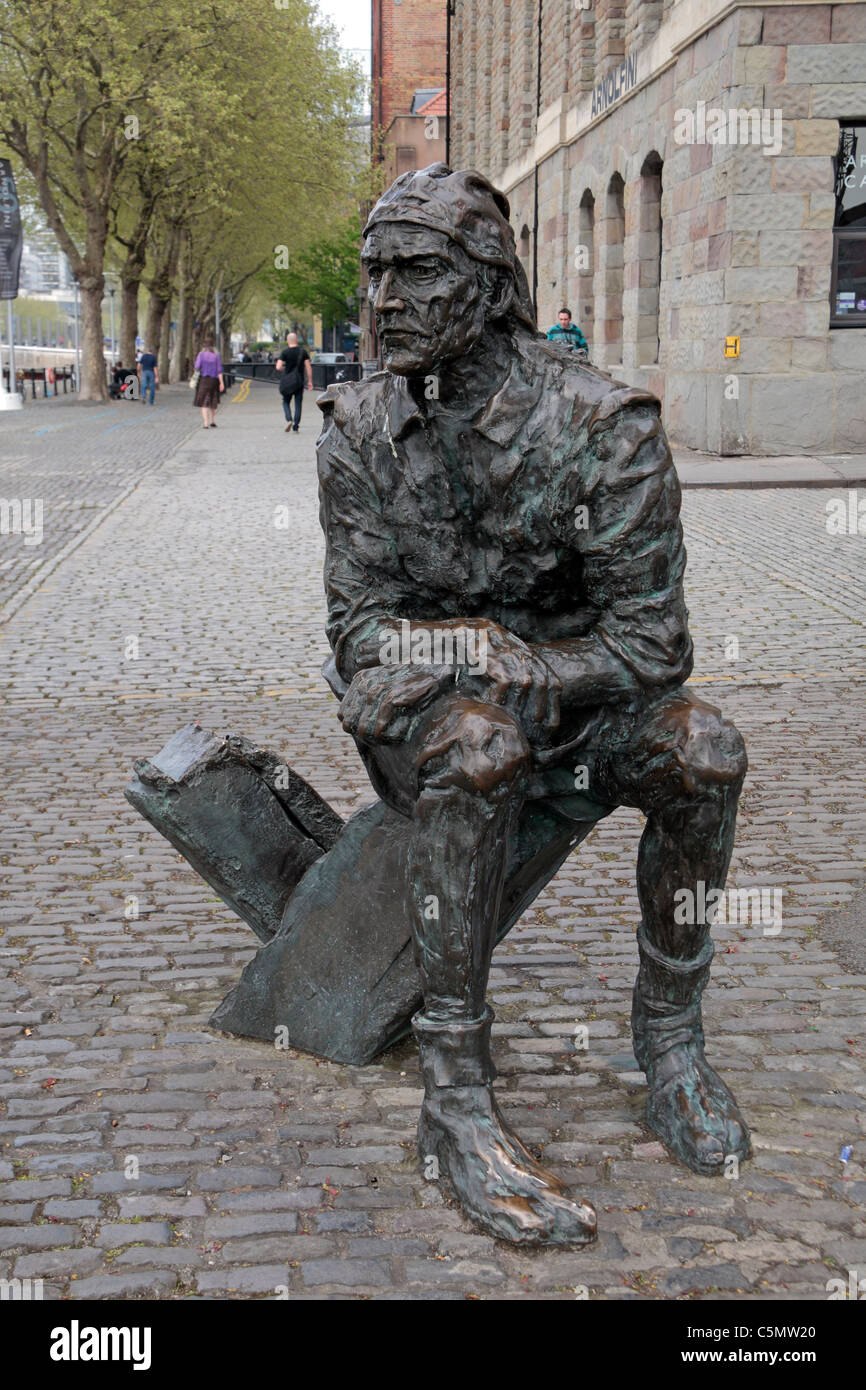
{"x":381,"y":700}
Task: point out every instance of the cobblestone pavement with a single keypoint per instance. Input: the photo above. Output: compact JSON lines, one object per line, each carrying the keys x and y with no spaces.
{"x":76,"y":459}
{"x":143,"y":1156}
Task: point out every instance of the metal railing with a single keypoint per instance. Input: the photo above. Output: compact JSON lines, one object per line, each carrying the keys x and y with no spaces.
{"x":50,"y":387}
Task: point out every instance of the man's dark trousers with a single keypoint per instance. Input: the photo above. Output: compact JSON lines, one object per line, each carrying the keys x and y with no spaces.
{"x":298,"y":399}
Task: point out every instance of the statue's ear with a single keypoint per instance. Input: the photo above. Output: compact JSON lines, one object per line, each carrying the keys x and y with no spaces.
{"x":500,"y":292}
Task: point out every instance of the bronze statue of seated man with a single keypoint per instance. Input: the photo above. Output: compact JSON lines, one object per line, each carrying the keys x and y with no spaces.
{"x":509,"y":643}
{"x":485,"y":482}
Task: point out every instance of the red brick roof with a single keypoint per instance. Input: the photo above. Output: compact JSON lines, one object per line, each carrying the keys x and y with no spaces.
{"x":436,"y":106}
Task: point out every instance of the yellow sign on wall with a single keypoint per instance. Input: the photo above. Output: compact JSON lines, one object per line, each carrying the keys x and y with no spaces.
{"x":732,"y":347}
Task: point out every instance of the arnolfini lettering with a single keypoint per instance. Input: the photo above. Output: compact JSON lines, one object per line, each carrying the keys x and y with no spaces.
{"x":614,"y":85}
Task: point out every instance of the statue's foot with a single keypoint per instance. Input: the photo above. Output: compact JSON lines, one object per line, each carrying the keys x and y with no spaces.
{"x":494,"y":1178}
{"x":693,"y":1112}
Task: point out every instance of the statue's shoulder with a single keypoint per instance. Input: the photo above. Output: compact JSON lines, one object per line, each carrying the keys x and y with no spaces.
{"x":356,"y":402}
{"x":591,"y":395}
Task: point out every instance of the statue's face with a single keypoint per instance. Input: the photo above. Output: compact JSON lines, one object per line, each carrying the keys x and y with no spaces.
{"x":426,"y":295}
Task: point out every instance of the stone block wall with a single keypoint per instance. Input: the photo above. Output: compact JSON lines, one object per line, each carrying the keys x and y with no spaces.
{"x":692,"y":242}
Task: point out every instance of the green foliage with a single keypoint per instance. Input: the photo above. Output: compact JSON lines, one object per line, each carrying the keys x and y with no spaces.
{"x":323,"y":277}
{"x":222,"y":128}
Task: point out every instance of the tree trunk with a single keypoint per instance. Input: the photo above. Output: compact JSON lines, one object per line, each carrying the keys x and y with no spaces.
{"x":155,"y":314}
{"x":92,"y":386}
{"x":161,"y":286}
{"x":205,"y":326}
{"x":176,"y":365}
{"x":224,"y":346}
{"x":183,"y":342}
{"x":164,"y":344}
{"x":130,"y":283}
{"x":131,"y":273}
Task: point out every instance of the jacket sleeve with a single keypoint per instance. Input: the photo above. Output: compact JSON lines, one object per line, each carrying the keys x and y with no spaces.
{"x":363,"y":594}
{"x":621,"y":511}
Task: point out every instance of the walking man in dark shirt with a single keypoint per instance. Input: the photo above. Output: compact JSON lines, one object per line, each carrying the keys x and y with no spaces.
{"x":294,"y":365}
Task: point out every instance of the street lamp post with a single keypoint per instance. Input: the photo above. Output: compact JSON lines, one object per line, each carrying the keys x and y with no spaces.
{"x":77,"y":346}
{"x":113,"y":353}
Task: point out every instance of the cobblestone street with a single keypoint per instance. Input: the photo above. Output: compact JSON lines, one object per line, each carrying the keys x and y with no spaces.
{"x":142,"y":1155}
{"x":78,"y":459}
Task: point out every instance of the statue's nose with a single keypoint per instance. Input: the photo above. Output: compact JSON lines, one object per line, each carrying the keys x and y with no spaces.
{"x":386,"y":297}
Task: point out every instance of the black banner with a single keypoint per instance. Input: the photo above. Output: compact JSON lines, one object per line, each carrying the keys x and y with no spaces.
{"x":11,"y":234}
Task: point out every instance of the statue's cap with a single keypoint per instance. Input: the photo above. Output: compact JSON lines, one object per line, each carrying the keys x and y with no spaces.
{"x":463,"y":205}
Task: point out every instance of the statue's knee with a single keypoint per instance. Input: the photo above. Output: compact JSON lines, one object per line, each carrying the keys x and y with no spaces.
{"x":711,"y":752}
{"x":475,"y":747}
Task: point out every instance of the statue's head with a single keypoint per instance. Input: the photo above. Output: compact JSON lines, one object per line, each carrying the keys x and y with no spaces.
{"x":443,"y":265}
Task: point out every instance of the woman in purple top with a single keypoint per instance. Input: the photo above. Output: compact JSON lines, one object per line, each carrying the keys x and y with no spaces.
{"x":210,"y":383}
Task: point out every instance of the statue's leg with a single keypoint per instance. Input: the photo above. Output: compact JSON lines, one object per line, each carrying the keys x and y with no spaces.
{"x":470,"y":762}
{"x":683,"y":766}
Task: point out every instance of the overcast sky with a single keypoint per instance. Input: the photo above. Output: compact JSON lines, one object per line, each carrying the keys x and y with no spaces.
{"x":352,"y":19}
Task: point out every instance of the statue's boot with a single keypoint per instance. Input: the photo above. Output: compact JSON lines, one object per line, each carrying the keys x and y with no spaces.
{"x":689,"y":1106}
{"x":494,"y":1178}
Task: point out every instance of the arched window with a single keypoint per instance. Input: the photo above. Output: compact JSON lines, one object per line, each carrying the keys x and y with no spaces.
{"x":614,"y":238}
{"x":585,"y":309}
{"x":650,"y":256}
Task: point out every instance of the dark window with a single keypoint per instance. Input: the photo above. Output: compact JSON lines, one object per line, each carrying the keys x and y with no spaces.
{"x":848,"y":281}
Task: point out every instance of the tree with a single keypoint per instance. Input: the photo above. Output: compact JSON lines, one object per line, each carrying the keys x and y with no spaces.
{"x":114,"y":109}
{"x":76,"y":83}
{"x":322,"y":277}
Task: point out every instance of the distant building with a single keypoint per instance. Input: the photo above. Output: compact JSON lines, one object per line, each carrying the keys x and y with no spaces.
{"x":408,"y":54}
{"x":689,"y":177}
{"x":415,"y":140}
{"x":408,"y":101}
{"x":44,"y":267}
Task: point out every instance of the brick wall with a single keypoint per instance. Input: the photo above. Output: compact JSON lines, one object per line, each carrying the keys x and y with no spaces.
{"x":408,"y":53}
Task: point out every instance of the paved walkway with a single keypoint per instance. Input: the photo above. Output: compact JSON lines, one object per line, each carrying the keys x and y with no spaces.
{"x":78,"y":460}
{"x":141,"y":1155}
{"x":696,"y":469}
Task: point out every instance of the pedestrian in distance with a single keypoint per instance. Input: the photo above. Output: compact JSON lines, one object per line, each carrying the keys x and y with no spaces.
{"x":564,"y":331}
{"x":118,"y":377}
{"x":294,"y":367}
{"x":210,"y":383}
{"x":148,"y":375}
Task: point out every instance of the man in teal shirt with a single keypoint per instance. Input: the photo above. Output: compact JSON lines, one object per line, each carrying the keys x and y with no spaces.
{"x":567,"y":332}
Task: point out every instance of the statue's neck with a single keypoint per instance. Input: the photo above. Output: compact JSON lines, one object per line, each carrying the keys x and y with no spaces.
{"x":465,"y":384}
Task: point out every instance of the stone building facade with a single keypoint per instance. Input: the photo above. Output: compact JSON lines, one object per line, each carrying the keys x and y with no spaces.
{"x":689,"y":177}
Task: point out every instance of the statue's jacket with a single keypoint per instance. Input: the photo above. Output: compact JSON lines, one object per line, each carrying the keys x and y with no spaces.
{"x":554,"y":512}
